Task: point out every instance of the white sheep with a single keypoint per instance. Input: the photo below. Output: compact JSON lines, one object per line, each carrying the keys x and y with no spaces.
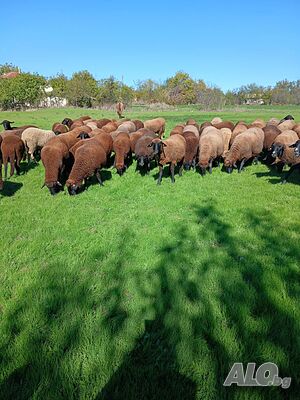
{"x":34,"y":139}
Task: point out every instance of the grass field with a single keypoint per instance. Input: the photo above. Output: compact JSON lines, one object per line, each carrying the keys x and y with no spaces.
{"x":135,"y":291}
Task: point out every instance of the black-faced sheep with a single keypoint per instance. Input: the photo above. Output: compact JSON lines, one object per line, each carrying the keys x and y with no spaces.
{"x":246,"y":145}
{"x":287,"y":118}
{"x":287,"y":156}
{"x":135,"y":136}
{"x":296,"y":147}
{"x":12,"y":149}
{"x":211,"y":147}
{"x":121,"y":147}
{"x":157,"y":125}
{"x":170,"y":151}
{"x":59,"y":128}
{"x":285,"y":139}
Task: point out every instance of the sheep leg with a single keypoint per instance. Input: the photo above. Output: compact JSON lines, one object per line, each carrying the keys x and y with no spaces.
{"x":242,"y":165}
{"x":194,"y":163}
{"x":12,"y":167}
{"x":5,"y":163}
{"x":255,"y":160}
{"x":180,"y":170}
{"x":210,"y":166}
{"x":160,"y":175}
{"x":172,"y":173}
{"x":290,"y":171}
{"x":98,"y":176}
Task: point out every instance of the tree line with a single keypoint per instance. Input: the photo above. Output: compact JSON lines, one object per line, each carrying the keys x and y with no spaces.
{"x":83,"y":90}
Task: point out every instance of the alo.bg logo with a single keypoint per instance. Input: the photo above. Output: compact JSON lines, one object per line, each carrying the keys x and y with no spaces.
{"x":266,"y":375}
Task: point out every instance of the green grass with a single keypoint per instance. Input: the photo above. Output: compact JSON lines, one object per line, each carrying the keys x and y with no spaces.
{"x":134,"y":291}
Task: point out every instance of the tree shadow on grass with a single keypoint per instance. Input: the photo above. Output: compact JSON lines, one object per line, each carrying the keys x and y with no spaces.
{"x":172,"y":331}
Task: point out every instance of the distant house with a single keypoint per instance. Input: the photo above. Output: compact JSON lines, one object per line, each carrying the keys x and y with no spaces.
{"x":254,"y":99}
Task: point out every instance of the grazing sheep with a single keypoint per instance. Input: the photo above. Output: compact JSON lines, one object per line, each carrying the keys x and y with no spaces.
{"x":34,"y":139}
{"x":271,"y":132}
{"x":286,"y":155}
{"x":55,"y":154}
{"x":138,"y":124}
{"x":177,"y":130}
{"x":135,"y":136}
{"x":191,"y":150}
{"x":58,"y":128}
{"x":297,"y":129}
{"x":191,"y":121}
{"x":224,"y":124}
{"x":246,"y":145}
{"x":203,"y":126}
{"x":101,"y":122}
{"x":127,"y":127}
{"x":170,"y":151}
{"x":76,"y":124}
{"x":12,"y":149}
{"x":157,"y":125}
{"x":7,"y":126}
{"x":110,"y":127}
{"x":283,"y":140}
{"x":273,"y":121}
{"x":143,"y":150}
{"x":216,"y":120}
{"x":286,"y":125}
{"x":104,"y":139}
{"x":121,"y":147}
{"x":226,"y":132}
{"x":192,"y":128}
{"x":296,"y":147}
{"x":239,"y":128}
{"x":120,"y":122}
{"x":211,"y":147}
{"x":120,"y":109}
{"x":93,"y":125}
{"x":258,"y":123}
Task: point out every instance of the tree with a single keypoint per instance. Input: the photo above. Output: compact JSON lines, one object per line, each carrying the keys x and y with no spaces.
{"x":59,"y":83}
{"x":7,"y":67}
{"x":212,"y":98}
{"x":147,"y":91}
{"x":111,"y":90}
{"x":81,"y":89}
{"x":181,"y":89}
{"x":23,"y":91}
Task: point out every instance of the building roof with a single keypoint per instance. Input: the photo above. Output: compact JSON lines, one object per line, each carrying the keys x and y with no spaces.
{"x":9,"y":75}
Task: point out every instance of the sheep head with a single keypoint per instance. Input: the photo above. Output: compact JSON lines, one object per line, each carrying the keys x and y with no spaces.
{"x":296,"y":147}
{"x":157,"y":145}
{"x":7,"y":124}
{"x":277,"y":150}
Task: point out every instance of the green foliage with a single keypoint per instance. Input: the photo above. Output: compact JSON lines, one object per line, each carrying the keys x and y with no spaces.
{"x":8,"y":67}
{"x":181,"y":89}
{"x":23,"y":91}
{"x":81,"y":89}
{"x":133,"y":291}
{"x":111,"y":90}
{"x":59,"y":83}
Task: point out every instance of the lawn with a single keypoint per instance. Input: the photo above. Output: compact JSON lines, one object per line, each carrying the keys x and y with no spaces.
{"x":139,"y":291}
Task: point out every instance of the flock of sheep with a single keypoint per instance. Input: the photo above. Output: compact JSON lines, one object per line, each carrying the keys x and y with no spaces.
{"x":79,"y":149}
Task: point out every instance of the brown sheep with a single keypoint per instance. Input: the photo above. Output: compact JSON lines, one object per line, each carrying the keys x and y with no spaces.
{"x":138,"y":124}
{"x":273,"y":121}
{"x":110,"y":127}
{"x":120,"y":109}
{"x":192,"y":128}
{"x":216,"y":120}
{"x":127,"y":127}
{"x":157,"y":125}
{"x":58,"y":128}
{"x":224,"y":124}
{"x":76,"y":124}
{"x":286,"y":125}
{"x":135,"y":136}
{"x":55,"y":154}
{"x":12,"y":149}
{"x":271,"y":132}
{"x":120,"y":122}
{"x":191,"y":151}
{"x":211,"y":147}
{"x":203,"y":126}
{"x":191,"y":121}
{"x":143,"y":150}
{"x":227,"y":133}
{"x":297,"y":129}
{"x":104,"y":139}
{"x":286,"y":155}
{"x":170,"y":151}
{"x":121,"y":147}
{"x":285,"y":139}
{"x":239,"y":128}
{"x":246,"y":145}
{"x":177,"y":130}
{"x":258,"y":123}
{"x":101,"y":122}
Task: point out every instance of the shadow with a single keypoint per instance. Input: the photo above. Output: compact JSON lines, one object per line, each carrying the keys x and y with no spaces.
{"x":25,"y":167}
{"x":105,"y":176}
{"x":10,"y":188}
{"x":110,"y":328}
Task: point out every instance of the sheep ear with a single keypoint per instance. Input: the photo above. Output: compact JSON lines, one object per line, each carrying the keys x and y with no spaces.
{"x":164,"y":144}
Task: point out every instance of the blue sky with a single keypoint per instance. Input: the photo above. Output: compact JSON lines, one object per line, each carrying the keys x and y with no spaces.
{"x":226,"y":43}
